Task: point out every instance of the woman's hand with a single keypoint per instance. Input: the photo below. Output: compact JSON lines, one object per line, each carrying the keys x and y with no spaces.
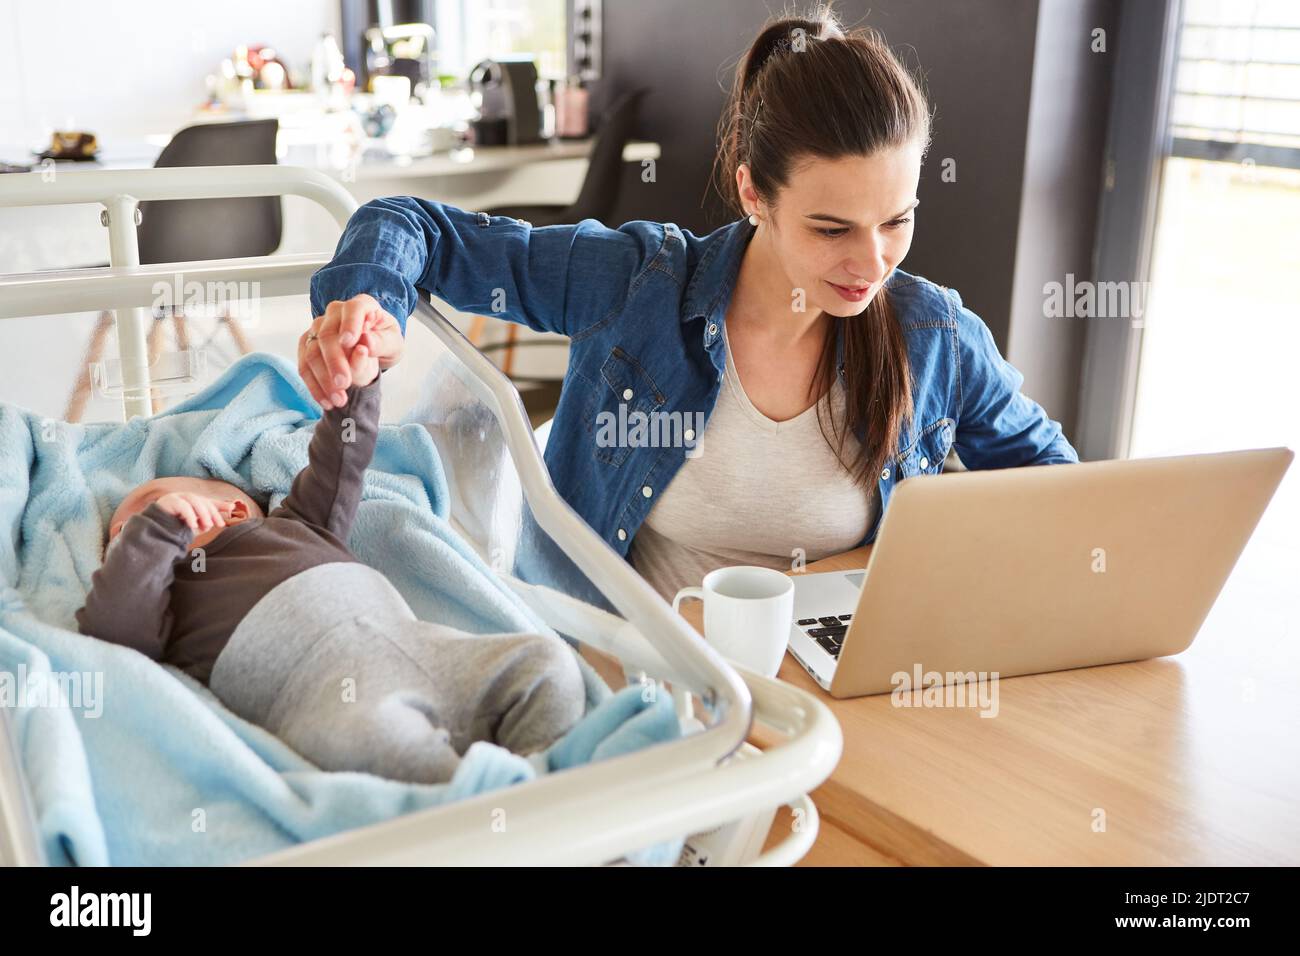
{"x":325,"y":350}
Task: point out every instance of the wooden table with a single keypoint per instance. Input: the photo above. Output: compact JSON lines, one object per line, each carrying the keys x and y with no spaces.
{"x":1190,"y":760}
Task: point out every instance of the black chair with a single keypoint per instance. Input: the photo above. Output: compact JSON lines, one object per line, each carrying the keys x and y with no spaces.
{"x":596,"y":200}
{"x":600,"y":187}
{"x":190,"y":230}
{"x":186,"y":230}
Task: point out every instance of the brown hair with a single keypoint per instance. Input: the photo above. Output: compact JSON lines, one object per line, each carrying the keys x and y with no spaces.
{"x":807,"y":89}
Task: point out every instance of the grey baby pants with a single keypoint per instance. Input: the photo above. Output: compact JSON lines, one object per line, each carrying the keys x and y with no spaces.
{"x":334,"y":663}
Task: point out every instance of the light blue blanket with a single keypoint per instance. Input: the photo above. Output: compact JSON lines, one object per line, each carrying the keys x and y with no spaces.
{"x":131,"y":763}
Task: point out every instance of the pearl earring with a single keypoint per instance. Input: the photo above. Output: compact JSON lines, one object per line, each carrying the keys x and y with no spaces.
{"x":753,"y":220}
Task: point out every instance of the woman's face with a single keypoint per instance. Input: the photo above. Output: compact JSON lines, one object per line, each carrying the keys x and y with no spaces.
{"x":840,"y":226}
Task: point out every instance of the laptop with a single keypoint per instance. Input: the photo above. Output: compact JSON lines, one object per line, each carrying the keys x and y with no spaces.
{"x":1026,"y":570}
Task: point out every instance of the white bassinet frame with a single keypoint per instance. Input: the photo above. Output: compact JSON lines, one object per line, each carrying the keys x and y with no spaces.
{"x":591,"y":814}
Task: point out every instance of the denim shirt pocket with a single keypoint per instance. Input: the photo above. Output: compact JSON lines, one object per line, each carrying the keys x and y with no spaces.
{"x":624,"y":389}
{"x":926,"y":454}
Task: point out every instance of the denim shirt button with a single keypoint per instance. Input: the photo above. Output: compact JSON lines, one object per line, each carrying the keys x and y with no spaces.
{"x":645,"y":490}
{"x":713,"y":328}
{"x":622,"y":534}
{"x":885,"y":474}
{"x":689,"y":434}
{"x":627,"y":394}
{"x":925,"y":462}
{"x":484,"y":219}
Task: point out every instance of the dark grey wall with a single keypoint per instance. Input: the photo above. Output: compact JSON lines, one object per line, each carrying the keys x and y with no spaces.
{"x":1060,"y":196}
{"x":977,"y":61}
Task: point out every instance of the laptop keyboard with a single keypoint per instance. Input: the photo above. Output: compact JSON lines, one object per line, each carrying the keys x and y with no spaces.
{"x":827,"y":631}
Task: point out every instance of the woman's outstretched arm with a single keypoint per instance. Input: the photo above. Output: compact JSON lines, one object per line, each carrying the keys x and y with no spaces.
{"x":561,"y":278}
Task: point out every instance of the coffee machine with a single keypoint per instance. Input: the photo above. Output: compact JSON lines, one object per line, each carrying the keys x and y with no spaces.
{"x":505,"y":92}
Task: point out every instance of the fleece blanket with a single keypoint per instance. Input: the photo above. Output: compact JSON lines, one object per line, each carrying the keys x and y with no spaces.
{"x":133,"y":763}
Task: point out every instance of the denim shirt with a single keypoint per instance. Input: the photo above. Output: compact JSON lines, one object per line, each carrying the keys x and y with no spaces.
{"x":644,"y":306}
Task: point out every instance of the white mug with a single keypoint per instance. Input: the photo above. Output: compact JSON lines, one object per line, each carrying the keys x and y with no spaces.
{"x":747,"y":615}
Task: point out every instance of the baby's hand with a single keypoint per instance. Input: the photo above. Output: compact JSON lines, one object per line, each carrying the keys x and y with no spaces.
{"x":361,"y":358}
{"x":200,"y":512}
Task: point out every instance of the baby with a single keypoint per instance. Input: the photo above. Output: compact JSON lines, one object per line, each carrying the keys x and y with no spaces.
{"x":293,"y":633}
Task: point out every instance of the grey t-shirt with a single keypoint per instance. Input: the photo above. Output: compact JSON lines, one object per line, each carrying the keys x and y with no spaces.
{"x":153,"y":594}
{"x":758,"y":492}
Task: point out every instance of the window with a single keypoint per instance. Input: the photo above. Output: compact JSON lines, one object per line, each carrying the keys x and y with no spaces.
{"x":473,"y":30}
{"x":1218,"y":343}
{"x":1237,"y":85}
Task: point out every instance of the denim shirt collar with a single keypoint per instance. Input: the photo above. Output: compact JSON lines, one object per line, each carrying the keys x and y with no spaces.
{"x":709,"y":292}
{"x":714,"y":279}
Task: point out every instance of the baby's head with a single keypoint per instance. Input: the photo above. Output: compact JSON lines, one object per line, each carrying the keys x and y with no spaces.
{"x":144,"y":495}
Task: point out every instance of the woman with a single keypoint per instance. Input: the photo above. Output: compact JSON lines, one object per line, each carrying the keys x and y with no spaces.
{"x":824,"y":373}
